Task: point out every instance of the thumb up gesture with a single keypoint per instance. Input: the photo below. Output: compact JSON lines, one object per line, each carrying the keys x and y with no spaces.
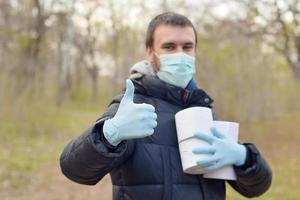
{"x":131,"y":120}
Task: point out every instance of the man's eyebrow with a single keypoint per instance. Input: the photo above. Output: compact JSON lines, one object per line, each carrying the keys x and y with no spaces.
{"x":189,"y":43}
{"x":168,"y":44}
{"x":174,"y":43}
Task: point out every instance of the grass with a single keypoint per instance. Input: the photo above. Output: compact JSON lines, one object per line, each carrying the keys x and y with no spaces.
{"x":33,"y":136}
{"x":278,"y":140}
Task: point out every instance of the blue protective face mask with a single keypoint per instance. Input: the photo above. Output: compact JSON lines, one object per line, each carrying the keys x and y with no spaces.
{"x":176,"y":68}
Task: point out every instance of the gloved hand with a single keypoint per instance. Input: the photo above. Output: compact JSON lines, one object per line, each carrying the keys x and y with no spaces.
{"x":221,"y":151}
{"x":131,"y":120}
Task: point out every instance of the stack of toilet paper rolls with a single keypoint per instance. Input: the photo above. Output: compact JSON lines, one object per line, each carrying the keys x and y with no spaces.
{"x":199,"y":119}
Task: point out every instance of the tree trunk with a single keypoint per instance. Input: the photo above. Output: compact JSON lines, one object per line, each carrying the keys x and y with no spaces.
{"x":94,"y":75}
{"x":65,"y":51}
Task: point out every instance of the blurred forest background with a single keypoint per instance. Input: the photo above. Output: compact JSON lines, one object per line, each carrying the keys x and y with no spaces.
{"x":62,"y":61}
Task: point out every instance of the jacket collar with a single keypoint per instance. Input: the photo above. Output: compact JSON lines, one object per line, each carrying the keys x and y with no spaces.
{"x":152,"y":86}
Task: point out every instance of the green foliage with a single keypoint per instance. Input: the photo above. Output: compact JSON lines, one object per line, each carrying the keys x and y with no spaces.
{"x":246,"y":84}
{"x":25,"y":42}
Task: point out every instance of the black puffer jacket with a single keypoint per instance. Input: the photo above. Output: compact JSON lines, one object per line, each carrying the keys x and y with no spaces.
{"x":150,"y":168}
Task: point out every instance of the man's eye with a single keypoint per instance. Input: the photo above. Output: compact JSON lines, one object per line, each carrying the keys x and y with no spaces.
{"x":188,"y":47}
{"x":168,"y":47}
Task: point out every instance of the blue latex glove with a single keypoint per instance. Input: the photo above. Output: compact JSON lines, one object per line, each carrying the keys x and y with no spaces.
{"x":131,"y":120}
{"x":220,"y":152}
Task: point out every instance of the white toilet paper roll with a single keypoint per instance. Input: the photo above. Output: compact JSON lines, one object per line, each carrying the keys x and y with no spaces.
{"x":188,"y":159}
{"x":189,"y":121}
{"x":199,"y":119}
{"x":193,"y":119}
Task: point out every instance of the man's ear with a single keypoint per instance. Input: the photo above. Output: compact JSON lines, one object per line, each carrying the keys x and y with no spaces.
{"x":151,"y":58}
{"x":149,"y":55}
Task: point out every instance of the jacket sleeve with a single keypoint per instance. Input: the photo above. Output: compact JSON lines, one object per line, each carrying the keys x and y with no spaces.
{"x":87,"y":158}
{"x":255,"y":176}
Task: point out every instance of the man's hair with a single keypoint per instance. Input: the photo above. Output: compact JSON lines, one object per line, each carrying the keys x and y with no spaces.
{"x":167,"y":18}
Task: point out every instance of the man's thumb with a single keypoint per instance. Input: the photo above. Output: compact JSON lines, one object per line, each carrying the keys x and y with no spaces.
{"x":129,"y":93}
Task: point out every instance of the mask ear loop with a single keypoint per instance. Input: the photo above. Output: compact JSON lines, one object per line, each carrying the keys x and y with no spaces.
{"x":156,"y":54}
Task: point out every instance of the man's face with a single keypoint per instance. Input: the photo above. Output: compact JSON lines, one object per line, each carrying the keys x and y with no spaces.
{"x":171,"y":39}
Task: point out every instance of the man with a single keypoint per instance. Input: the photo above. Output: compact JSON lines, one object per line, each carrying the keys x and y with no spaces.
{"x":135,"y":139}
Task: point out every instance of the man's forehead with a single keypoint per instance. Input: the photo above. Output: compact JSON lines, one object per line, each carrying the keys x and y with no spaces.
{"x":174,"y":34}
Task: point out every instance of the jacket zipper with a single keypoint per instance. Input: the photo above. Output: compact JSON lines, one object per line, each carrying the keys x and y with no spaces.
{"x":186,"y":96}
